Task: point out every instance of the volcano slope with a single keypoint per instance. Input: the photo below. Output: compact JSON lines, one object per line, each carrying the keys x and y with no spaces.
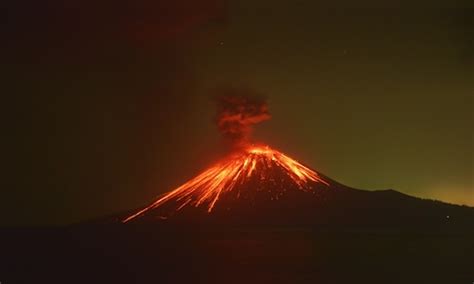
{"x":264,"y":187}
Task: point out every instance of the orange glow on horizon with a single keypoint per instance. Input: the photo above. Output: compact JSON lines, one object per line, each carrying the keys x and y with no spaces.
{"x":206,"y":188}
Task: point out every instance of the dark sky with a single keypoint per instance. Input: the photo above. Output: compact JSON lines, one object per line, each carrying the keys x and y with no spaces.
{"x":108,"y":105}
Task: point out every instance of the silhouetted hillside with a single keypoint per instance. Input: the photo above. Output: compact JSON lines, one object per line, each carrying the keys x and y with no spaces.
{"x":336,"y":206}
{"x":331,"y":234}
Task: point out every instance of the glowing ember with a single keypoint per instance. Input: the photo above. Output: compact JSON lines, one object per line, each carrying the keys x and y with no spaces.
{"x":206,"y":188}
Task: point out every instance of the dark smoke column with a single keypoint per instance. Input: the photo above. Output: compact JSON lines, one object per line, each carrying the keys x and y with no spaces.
{"x":237,"y":111}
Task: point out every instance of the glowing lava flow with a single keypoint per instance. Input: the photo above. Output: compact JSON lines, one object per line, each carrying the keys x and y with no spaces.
{"x":206,"y":188}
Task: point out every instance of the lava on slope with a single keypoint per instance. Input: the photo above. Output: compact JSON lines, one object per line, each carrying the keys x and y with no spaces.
{"x":252,"y":173}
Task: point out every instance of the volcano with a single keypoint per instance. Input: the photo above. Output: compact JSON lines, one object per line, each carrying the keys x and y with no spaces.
{"x":262,"y":186}
{"x":254,"y":175}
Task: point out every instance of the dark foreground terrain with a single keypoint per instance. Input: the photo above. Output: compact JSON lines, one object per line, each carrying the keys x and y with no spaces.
{"x":341,"y":236}
{"x":139,"y":253}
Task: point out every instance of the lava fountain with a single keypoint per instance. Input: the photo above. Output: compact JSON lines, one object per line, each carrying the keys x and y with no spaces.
{"x":254,"y":162}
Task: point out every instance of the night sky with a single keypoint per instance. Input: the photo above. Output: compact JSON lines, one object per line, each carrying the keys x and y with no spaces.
{"x":108,"y":105}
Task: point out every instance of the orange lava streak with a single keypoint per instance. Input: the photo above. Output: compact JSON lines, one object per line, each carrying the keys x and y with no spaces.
{"x":207,"y":187}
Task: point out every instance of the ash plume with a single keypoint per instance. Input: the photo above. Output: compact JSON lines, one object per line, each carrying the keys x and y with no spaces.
{"x":238,"y":110}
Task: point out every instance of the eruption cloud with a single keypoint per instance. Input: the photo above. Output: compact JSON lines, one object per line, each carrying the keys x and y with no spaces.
{"x":237,"y":112}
